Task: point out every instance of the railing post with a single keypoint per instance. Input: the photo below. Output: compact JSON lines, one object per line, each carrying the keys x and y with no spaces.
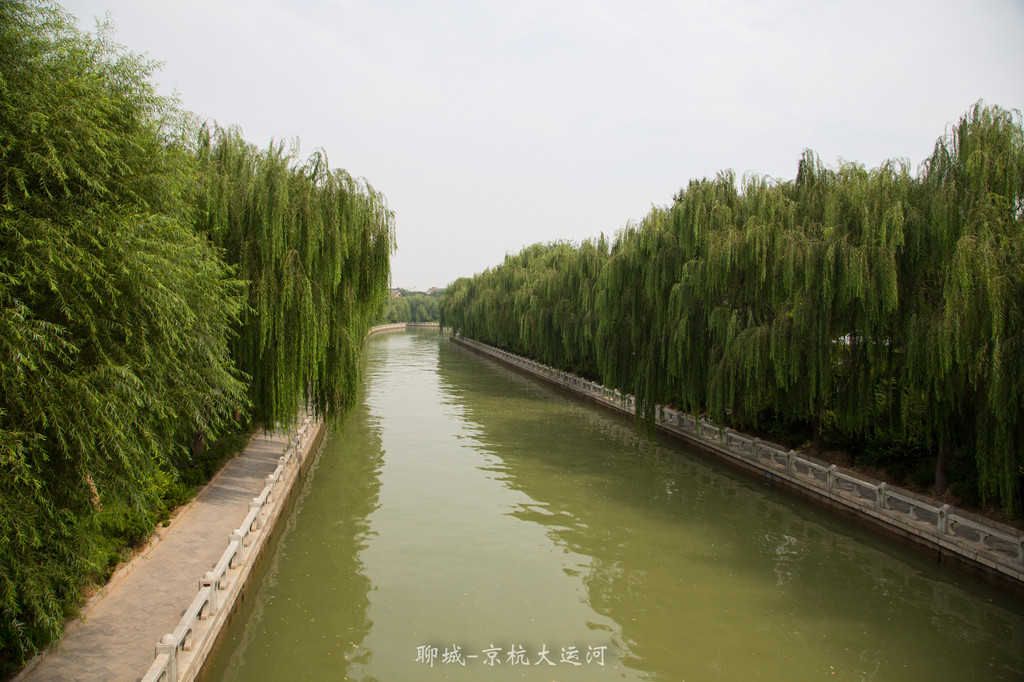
{"x":254,"y":503}
{"x":943,"y":520}
{"x":831,"y":476}
{"x":755,"y":447}
{"x":880,"y":495}
{"x":168,"y":645}
{"x":208,"y":581}
{"x":236,"y":537}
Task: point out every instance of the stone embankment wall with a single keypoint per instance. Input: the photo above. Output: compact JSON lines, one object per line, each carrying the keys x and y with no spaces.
{"x":402,"y":326}
{"x":181,"y":654}
{"x":397,"y":326}
{"x":974,"y":544}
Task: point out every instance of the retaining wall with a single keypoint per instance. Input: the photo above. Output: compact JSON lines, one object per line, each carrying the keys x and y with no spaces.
{"x":990,"y":550}
{"x":394,"y":327}
{"x":402,"y":326}
{"x":181,"y":654}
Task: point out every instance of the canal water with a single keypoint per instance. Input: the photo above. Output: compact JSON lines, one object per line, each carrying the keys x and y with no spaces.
{"x":466,"y":522}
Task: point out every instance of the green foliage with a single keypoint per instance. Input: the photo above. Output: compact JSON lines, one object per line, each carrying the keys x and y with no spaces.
{"x":631,"y":307}
{"x":965,"y":333}
{"x":876,"y":309}
{"x":127,"y":335}
{"x":114,"y":314}
{"x":201,"y":466}
{"x":122,"y":528}
{"x":315,"y":246}
{"x":541,"y":301}
{"x":411,"y":306}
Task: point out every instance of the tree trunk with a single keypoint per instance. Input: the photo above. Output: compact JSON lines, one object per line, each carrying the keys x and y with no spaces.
{"x":941,"y":462}
{"x":819,"y":419}
{"x":198,"y":442}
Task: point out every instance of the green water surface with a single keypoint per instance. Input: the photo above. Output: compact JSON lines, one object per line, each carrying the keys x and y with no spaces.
{"x":469,"y":523}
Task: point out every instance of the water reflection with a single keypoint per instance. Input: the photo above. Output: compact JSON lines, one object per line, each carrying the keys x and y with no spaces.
{"x":307,"y":614}
{"x":465,"y":505}
{"x":705,"y":572}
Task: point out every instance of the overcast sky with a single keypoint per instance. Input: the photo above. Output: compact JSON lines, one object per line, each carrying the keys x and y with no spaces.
{"x":493,"y":125}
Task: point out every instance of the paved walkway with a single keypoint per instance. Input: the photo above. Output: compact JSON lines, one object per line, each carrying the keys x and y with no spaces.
{"x":115,"y":641}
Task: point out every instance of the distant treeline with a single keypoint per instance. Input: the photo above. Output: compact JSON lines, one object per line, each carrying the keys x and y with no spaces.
{"x":162,"y":282}
{"x":871,"y":310}
{"x":412,"y":306}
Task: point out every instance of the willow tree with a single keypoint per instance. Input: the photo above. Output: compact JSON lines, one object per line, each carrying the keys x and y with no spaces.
{"x":114,"y":314}
{"x":965,"y":350}
{"x":314,"y":245}
{"x":868,"y":222}
{"x":707,"y":212}
{"x":532,"y":304}
{"x":555,"y":305}
{"x":574,"y":290}
{"x":836,"y":292}
{"x":631,"y":304}
{"x":539,"y":302}
{"x":884,"y":306}
{"x":484,"y":307}
{"x":453,"y":305}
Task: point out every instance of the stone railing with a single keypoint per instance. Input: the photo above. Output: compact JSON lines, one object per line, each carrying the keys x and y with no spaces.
{"x":392,"y":327}
{"x":400,"y":326}
{"x":180,"y":654}
{"x":979,"y":541}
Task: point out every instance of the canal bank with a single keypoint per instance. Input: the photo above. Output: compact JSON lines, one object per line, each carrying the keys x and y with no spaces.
{"x":115,"y":635}
{"x":135,"y":627}
{"x":464,"y":510}
{"x":991,"y":551}
{"x":182,"y":654}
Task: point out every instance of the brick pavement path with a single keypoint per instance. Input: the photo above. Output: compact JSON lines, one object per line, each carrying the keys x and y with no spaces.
{"x":121,"y":627}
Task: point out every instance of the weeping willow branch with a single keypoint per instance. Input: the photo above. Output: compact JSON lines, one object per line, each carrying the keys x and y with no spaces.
{"x":873,"y":303}
{"x":314,"y":245}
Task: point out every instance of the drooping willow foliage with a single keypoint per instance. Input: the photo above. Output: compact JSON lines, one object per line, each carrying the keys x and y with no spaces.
{"x":964,"y":327}
{"x":873,"y":304}
{"x":538,"y":302}
{"x":411,"y":306}
{"x":152,"y":287}
{"x":114,"y":313}
{"x":314,"y":245}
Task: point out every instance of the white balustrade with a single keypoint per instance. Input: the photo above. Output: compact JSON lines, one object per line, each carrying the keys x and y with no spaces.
{"x":1001,"y":548}
{"x":190,"y":634}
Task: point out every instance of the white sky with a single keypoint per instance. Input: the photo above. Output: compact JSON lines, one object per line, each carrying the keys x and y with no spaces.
{"x":493,"y":125}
